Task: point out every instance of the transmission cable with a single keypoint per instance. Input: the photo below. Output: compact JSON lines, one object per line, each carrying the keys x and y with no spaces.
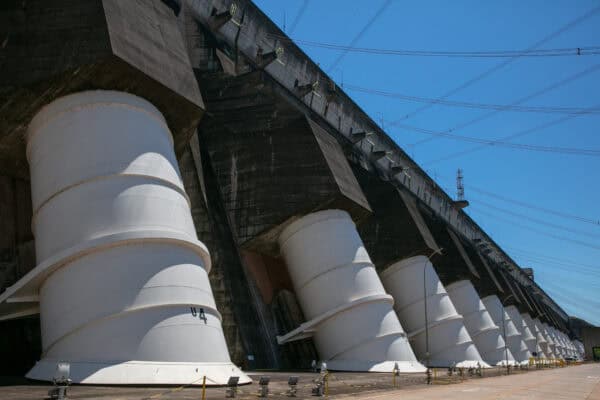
{"x":595,"y":222}
{"x":527,"y":131}
{"x":553,"y":258}
{"x":535,"y":220}
{"x":557,"y":52}
{"x":500,"y":143}
{"x":360,"y":34}
{"x":300,"y":14}
{"x":484,"y":106}
{"x":530,"y":96}
{"x":565,"y":266}
{"x":506,"y":62}
{"x":544,"y":233}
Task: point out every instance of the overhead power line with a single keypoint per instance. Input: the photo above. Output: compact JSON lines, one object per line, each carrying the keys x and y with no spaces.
{"x":592,"y":221}
{"x":360,"y":34}
{"x":564,"y":265}
{"x":300,"y":14}
{"x":538,"y":231}
{"x":558,"y":52}
{"x":581,"y":307}
{"x":500,"y":143}
{"x":524,"y":132}
{"x":506,"y":62}
{"x":559,"y":260}
{"x":548,"y":266}
{"x":535,"y":220}
{"x":521,"y":100}
{"x":483,"y":106}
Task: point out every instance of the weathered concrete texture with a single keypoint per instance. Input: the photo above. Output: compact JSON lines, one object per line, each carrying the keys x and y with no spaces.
{"x":591,"y":339}
{"x":243,"y":330}
{"x":576,"y":325}
{"x":453,"y":264}
{"x":395,"y":230}
{"x":272,"y":163}
{"x":53,"y":48}
{"x":288,"y":316}
{"x":490,"y":275}
{"x":20,"y":343}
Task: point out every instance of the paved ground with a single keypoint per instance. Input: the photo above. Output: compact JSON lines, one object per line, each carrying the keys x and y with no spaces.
{"x":574,"y":382}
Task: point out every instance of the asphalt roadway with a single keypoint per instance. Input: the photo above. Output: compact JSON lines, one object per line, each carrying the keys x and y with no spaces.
{"x":572,"y":382}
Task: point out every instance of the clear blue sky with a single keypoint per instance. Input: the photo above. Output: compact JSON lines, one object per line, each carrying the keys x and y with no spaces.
{"x":564,"y":252}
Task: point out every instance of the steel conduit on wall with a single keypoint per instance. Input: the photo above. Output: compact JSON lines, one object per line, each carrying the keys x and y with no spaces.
{"x":128,"y":300}
{"x":484,"y":332}
{"x":355,"y":327}
{"x":508,"y":329}
{"x":449,"y":342}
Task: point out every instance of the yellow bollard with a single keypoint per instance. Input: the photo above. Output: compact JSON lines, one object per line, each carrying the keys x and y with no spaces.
{"x":204,"y":387}
{"x":327,"y":384}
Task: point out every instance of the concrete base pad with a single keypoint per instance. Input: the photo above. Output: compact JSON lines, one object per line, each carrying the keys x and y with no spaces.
{"x":385,"y":366}
{"x":142,"y":373}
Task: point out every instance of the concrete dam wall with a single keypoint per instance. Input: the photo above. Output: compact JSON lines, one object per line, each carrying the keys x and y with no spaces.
{"x":183,"y":182}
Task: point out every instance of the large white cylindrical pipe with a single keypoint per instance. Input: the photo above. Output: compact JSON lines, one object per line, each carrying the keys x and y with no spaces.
{"x":531,"y":325}
{"x":128,"y":300}
{"x":542,"y":340}
{"x":526,"y":334}
{"x":559,"y":350}
{"x":508,"y":329}
{"x":446,"y":339}
{"x":563,"y":343}
{"x":571,"y":350}
{"x":520,"y":348}
{"x":484,"y":332}
{"x":356,"y":328}
{"x":550,"y":339}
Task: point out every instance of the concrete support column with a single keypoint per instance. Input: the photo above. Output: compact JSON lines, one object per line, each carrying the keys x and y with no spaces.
{"x":446,"y":342}
{"x":351,"y":317}
{"x":484,"y":332}
{"x":125,"y":297}
{"x":508,"y":329}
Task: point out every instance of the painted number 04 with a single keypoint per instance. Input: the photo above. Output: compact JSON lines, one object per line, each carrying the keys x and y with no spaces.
{"x":198,"y":313}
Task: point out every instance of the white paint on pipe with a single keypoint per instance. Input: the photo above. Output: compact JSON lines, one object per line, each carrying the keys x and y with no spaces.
{"x":484,"y":332}
{"x":508,"y":330}
{"x":519,"y":348}
{"x":542,"y":339}
{"x":559,"y":349}
{"x":124,"y":296}
{"x":526,"y":334}
{"x":550,"y":339}
{"x":446,"y":338}
{"x":351,"y":318}
{"x":531,"y":325}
